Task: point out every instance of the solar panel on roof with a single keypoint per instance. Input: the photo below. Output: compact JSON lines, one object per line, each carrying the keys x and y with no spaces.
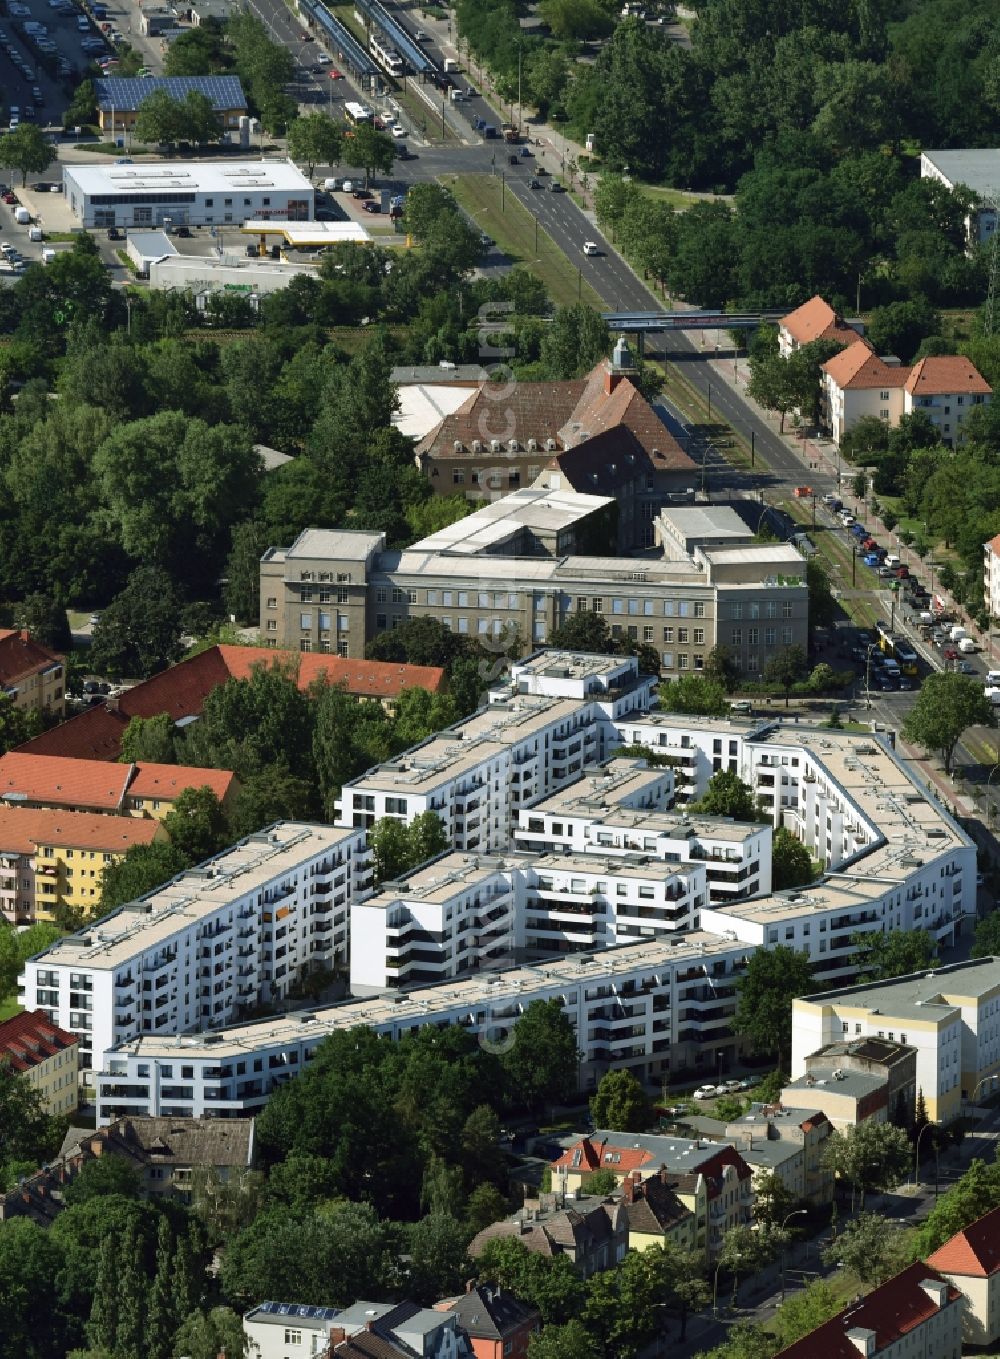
{"x":127,"y":94}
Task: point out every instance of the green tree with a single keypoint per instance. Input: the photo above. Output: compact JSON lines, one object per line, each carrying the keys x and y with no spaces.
{"x":485,"y":1206}
{"x":822,"y":605}
{"x":439,"y":1261}
{"x":540,"y":1057}
{"x":160,"y":119}
{"x":17,"y":946}
{"x":791,"y":863}
{"x":773,"y":978}
{"x":82,"y":109}
{"x":427,"y":837}
{"x":302,"y":1181}
{"x":242,"y":587}
{"x":743,"y":1251}
{"x":573,"y":1340}
{"x":197,"y":824}
{"x":868,"y":1245}
{"x":880,"y":957}
{"x":186,"y":1276}
{"x":987,"y":941}
{"x":390,"y":846}
{"x":773,"y":1200}
{"x":198,"y":120}
{"x":149,"y":740}
{"x":315,"y":139}
{"x":102,"y":1328}
{"x":728,"y":795}
{"x":131,"y":1285}
{"x":104,"y":1175}
{"x":370,"y":150}
{"x":946,"y":706}
{"x":602,"y":1182}
{"x":482,"y":1159}
{"x":549,"y":1283}
{"x":35,"y":1325}
{"x":772,"y":386}
{"x":161,"y":1323}
{"x":722,"y":667}
{"x":786,"y":667}
{"x":575,"y":340}
{"x":142,"y":868}
{"x":621,"y":1104}
{"x":206,"y":1335}
{"x":583,"y":631}
{"x":621,"y":1304}
{"x":28,"y":1135}
{"x":45,"y":618}
{"x":17,"y":725}
{"x":25,"y":149}
{"x":976,"y":1193}
{"x":694,"y":694}
{"x":806,"y":1310}
{"x":868,"y":1156}
{"x":138,"y":634}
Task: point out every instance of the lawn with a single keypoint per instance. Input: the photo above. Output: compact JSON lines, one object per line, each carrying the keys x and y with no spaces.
{"x":519,"y":236}
{"x":677,"y":198}
{"x":9,"y":1006}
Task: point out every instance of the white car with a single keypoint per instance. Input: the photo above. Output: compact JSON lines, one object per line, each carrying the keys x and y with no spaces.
{"x":398,"y":130}
{"x":731,"y":1087}
{"x":707,"y":1092}
{"x":590,"y":248}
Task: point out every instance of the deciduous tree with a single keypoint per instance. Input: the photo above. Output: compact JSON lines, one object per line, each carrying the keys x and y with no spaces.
{"x":540,"y":1056}
{"x":773,"y":979}
{"x":620,"y":1103}
{"x":946,"y":706}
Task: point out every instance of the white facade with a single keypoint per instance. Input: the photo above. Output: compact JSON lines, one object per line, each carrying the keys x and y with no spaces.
{"x":280,"y":1330}
{"x":192,"y":193}
{"x":653,"y":1007}
{"x":219,"y":939}
{"x":991,"y":576}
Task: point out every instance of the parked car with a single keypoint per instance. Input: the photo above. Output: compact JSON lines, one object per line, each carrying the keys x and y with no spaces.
{"x":371,"y":206}
{"x":731,"y":1087}
{"x":707,"y":1092}
{"x":115,"y":234}
{"x":950,"y":653}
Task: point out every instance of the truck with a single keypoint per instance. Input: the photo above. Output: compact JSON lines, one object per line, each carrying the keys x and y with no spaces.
{"x":511,"y":133}
{"x":22,"y":216}
{"x":450,"y":64}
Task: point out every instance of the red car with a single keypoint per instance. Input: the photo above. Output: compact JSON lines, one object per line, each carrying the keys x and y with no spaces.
{"x":336,"y":75}
{"x":950,"y":653}
{"x":10,"y":198}
{"x":902,"y":572}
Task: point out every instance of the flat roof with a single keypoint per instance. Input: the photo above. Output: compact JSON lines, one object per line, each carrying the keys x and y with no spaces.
{"x":441,"y":880}
{"x":499,"y":520}
{"x":471,"y":992}
{"x":152,"y":244}
{"x":141,"y":925}
{"x":916,"y":996}
{"x":706,"y":521}
{"x":601,"y":787}
{"x":978,"y":168}
{"x":198,"y":176}
{"x":339,"y":544}
{"x":854,"y":1085}
{"x":572,"y":664}
{"x":304,"y":234}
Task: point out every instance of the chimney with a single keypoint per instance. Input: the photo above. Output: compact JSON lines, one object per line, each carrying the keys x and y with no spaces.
{"x":111,"y":703}
{"x":936,"y":1290}
{"x":631,"y":1186}
{"x":862,"y":1340}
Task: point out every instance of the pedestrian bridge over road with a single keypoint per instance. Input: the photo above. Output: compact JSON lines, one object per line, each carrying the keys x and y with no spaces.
{"x":639,"y":322}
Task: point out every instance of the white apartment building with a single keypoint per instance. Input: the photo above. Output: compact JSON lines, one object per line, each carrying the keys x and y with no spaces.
{"x":536,"y":735}
{"x":950,"y":1015}
{"x":735,"y":856}
{"x":857,"y":383}
{"x":462,"y":913}
{"x":653,"y":1007}
{"x":991,"y":576}
{"x":218,"y":939}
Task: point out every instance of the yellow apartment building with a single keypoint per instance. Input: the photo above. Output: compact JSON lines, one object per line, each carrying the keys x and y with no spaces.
{"x":31,"y":674}
{"x":45,"y":1056}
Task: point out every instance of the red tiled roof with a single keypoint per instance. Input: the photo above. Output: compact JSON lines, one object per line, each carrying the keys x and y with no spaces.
{"x":20,"y":656}
{"x":858,"y":368}
{"x":602,"y":1156}
{"x":973,"y":1252}
{"x":24,"y":828}
{"x":946,"y":373}
{"x":893,"y":1310}
{"x":83,"y":784}
{"x":817,"y":320}
{"x":182,"y":690}
{"x":168,"y":780}
{"x":29,"y":1038}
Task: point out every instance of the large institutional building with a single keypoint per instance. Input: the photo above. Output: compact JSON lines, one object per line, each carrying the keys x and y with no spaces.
{"x":587,"y":883}
{"x":523,"y":565}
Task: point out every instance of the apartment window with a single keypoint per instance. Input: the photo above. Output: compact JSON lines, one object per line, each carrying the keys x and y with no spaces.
{"x":786,"y":609}
{"x":772,"y":609}
{"x":699,"y":661}
{"x":786,"y":637}
{"x":597,"y":605}
{"x":682,"y":661}
{"x":292,"y":1337}
{"x":699,"y":636}
{"x":342,"y":649}
{"x":647,"y":634}
{"x":753,"y":636}
{"x":342,"y":595}
{"x":411,"y":596}
{"x":398,"y":596}
{"x":380,"y":595}
{"x":463,"y":599}
{"x":272,"y":602}
{"x":668,"y":660}
{"x":770,"y":636}
{"x":432,"y":597}
{"x":668,"y":634}
{"x":883,"y":396}
{"x":446,"y":598}
{"x":272,"y":625}
{"x":737,"y":610}
{"x":736,"y":637}
{"x":682,"y":634}
{"x":324,"y":620}
{"x":305,"y":621}
{"x":457,"y":477}
{"x":699,"y":611}
{"x":669,"y":608}
{"x":380,"y":622}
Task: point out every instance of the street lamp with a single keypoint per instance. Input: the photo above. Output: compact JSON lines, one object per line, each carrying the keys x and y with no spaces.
{"x":916,"y":1153}
{"x":987,"y":1080}
{"x":796,"y":1212}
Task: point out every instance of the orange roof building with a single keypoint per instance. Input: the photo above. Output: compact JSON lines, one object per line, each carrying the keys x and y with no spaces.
{"x":814,"y":320}
{"x":182,"y":690}
{"x":62,"y":782}
{"x":55,"y":858}
{"x":970,"y":1261}
{"x":917,"y":1313}
{"x":45,"y":1055}
{"x":31,"y":674}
